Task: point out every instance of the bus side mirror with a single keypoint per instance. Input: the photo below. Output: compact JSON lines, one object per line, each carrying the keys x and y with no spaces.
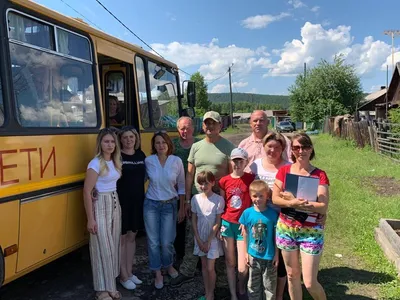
{"x":191,"y":93}
{"x":189,"y":112}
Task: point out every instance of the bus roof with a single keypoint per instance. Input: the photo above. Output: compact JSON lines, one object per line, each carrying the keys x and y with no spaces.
{"x":80,"y":24}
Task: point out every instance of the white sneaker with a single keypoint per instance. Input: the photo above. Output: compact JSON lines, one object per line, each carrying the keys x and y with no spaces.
{"x":129,"y":285}
{"x":135,"y":280}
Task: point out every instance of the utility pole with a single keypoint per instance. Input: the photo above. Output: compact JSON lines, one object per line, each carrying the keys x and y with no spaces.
{"x":392,"y":33}
{"x":387,"y":89}
{"x":230,"y":88}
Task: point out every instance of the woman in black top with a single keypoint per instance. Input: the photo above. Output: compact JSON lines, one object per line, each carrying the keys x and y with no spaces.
{"x":130,"y":188}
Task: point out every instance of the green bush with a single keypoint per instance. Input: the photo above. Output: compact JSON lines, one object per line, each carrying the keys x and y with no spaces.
{"x":394,"y":117}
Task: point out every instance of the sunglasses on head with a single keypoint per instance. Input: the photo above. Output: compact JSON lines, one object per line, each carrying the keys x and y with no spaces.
{"x":304,"y":148}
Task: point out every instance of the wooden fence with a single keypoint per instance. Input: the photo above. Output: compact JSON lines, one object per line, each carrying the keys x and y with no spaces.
{"x":382,"y":137}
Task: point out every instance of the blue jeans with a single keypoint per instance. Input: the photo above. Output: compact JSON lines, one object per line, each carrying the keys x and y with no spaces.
{"x":160,"y":223}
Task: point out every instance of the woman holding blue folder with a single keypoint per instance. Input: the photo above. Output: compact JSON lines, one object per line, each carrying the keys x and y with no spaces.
{"x":298,"y":233}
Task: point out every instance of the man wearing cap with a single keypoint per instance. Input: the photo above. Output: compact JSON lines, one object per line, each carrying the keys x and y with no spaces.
{"x":211,"y":154}
{"x":253,"y":144}
{"x":182,"y":146}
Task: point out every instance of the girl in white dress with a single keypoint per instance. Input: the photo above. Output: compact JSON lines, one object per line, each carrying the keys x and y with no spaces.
{"x":206,"y":219}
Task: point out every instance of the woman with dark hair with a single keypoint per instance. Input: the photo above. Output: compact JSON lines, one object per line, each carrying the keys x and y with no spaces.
{"x":265,"y":169}
{"x":298,"y":233}
{"x":115,"y":116}
{"x":130,"y":188}
{"x":104,"y":214}
{"x":167,"y":184}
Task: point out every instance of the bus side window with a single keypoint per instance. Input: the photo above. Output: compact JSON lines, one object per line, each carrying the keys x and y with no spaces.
{"x":141,"y":82}
{"x":30,"y":31}
{"x":50,"y":90}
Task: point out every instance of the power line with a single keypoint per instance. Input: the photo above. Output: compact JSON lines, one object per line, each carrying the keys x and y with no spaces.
{"x":185,"y":72}
{"x":214,"y":80}
{"x":127,"y":28}
{"x":81,"y":15}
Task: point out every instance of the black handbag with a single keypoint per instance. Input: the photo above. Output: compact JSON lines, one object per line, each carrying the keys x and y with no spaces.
{"x":295,"y":215}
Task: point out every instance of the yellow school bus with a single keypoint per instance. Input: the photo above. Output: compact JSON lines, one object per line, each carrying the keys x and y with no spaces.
{"x":57,"y":76}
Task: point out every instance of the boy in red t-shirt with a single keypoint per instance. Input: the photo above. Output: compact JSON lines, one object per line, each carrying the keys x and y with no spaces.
{"x":235,"y":190}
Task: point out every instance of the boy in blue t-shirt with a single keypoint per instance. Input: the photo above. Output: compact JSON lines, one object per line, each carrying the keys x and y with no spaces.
{"x":259,"y":222}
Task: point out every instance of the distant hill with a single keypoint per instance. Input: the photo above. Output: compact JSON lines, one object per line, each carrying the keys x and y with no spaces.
{"x":280,"y":100}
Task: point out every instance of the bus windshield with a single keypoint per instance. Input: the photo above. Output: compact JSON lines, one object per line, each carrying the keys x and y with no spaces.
{"x":163,"y":95}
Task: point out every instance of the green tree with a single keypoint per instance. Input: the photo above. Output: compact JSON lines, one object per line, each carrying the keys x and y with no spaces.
{"x":328,"y":89}
{"x":202,"y":103}
{"x":394,"y":117}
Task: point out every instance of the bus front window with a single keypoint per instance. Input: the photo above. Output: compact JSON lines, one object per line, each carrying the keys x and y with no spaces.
{"x":163,"y":86}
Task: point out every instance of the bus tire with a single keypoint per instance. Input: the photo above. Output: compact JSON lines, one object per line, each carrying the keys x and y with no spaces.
{"x":2,"y":267}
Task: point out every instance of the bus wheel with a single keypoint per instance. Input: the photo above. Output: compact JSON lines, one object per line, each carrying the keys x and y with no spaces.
{"x":2,"y":267}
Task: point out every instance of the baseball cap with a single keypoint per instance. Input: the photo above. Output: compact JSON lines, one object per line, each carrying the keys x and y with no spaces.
{"x":212,"y":115}
{"x":239,"y":153}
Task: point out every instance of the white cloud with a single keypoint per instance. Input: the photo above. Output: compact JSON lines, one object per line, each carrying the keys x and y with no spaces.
{"x":262,"y":51}
{"x":325,"y":23}
{"x":367,"y":56}
{"x":388,"y":60}
{"x":213,"y":60}
{"x":252,"y":91}
{"x":219,"y":88}
{"x":316,"y":43}
{"x":375,"y":88}
{"x":315,"y":9}
{"x":214,"y":41}
{"x":296,"y":3}
{"x":170,"y":16}
{"x":239,"y":84}
{"x":262,"y":21}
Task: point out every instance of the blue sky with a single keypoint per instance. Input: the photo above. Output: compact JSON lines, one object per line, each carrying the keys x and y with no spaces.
{"x":267,"y":41}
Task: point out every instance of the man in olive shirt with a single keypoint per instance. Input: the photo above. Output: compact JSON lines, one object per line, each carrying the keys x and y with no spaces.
{"x":211,"y":153}
{"x":182,"y":145}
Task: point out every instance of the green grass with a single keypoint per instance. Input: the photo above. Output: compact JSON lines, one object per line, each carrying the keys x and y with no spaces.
{"x":354,"y":212}
{"x":238,"y":128}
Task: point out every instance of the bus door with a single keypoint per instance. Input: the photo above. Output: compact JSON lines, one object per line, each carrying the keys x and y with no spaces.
{"x":118,"y":92}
